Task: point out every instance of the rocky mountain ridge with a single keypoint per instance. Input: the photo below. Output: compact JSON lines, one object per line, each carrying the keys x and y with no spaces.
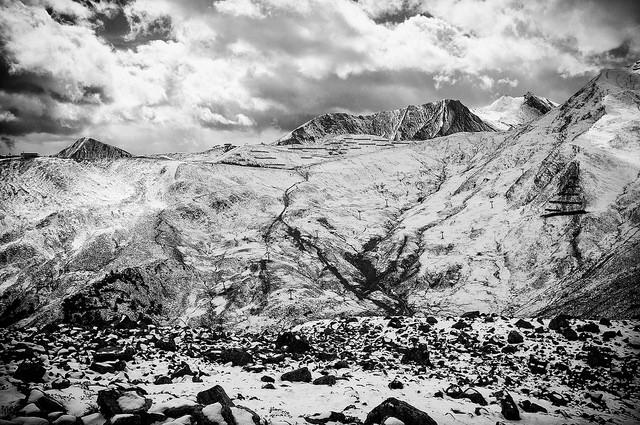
{"x":415,"y":122}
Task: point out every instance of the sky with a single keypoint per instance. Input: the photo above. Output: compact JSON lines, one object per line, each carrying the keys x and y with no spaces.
{"x":155,"y":76}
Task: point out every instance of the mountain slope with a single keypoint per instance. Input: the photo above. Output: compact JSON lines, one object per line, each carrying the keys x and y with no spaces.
{"x":263,"y":236}
{"x":88,"y":149}
{"x":419,"y":122}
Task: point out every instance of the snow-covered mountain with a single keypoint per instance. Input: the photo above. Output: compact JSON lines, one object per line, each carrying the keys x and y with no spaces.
{"x":346,"y":218}
{"x":415,"y":122}
{"x":507,"y":111}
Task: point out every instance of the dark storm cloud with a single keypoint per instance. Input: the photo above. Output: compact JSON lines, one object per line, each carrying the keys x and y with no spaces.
{"x":8,"y":143}
{"x":398,"y":12}
{"x":153,"y":75}
{"x":128,"y":30}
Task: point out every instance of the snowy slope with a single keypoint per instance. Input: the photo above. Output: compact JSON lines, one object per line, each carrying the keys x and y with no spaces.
{"x":536,"y":220}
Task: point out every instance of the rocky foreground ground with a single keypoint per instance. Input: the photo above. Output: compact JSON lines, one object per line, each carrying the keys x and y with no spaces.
{"x":480,"y":369}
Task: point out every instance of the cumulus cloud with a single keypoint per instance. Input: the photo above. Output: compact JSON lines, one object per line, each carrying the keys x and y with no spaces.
{"x":183,"y":75}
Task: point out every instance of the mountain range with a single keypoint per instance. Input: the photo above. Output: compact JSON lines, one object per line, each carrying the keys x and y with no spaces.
{"x":522,"y":208}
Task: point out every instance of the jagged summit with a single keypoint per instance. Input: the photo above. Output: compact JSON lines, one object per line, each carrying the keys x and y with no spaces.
{"x":415,"y":122}
{"x":507,"y":111}
{"x":541,"y":104}
{"x":88,"y":149}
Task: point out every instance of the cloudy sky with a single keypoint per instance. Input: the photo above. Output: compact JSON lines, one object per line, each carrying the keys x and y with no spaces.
{"x":183,"y":75}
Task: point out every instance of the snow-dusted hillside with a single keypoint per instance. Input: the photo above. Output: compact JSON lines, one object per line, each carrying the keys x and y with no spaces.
{"x":540,"y":219}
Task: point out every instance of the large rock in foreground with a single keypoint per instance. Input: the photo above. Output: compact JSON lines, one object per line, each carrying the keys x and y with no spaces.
{"x":394,"y":408}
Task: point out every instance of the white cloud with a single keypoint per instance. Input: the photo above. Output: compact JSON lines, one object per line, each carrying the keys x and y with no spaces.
{"x":245,"y":8}
{"x":6,"y":116}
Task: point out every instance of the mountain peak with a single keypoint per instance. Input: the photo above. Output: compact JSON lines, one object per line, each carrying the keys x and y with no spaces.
{"x":413,"y":122}
{"x":541,"y":104}
{"x":507,"y":111}
{"x":89,"y":149}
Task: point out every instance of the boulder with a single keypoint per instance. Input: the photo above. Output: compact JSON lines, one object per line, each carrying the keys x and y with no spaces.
{"x":212,"y":414}
{"x":396,"y":384}
{"x":515,"y":337}
{"x":94,"y":419}
{"x":66,"y":420}
{"x":589,"y":327}
{"x":131,"y":402}
{"x":394,"y":408}
{"x":598,"y":358}
{"x":341,"y":364}
{"x":108,"y":367}
{"x":213,"y":395}
{"x":125,"y":419}
{"x":29,"y":420}
{"x":60,"y":384}
{"x":166,"y":344}
{"x":530,"y":407}
{"x":418,"y":355}
{"x":299,"y":375}
{"x":395,"y":322}
{"x":605,"y":322}
{"x":292,"y":343}
{"x":569,"y":333}
{"x":236,"y":356}
{"x":523,"y":324}
{"x":330,"y":417}
{"x":108,"y":402}
{"x":181,"y":370}
{"x":163,"y":380}
{"x":559,"y":322}
{"x":45,"y":402}
{"x":30,"y":372}
{"x":509,"y":408}
{"x":461,"y":324}
{"x":325,"y":380}
{"x":243,"y":416}
{"x":113,"y":353}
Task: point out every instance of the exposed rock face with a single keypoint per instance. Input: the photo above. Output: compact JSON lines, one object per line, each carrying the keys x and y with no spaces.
{"x":415,"y":122}
{"x":88,"y":149}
